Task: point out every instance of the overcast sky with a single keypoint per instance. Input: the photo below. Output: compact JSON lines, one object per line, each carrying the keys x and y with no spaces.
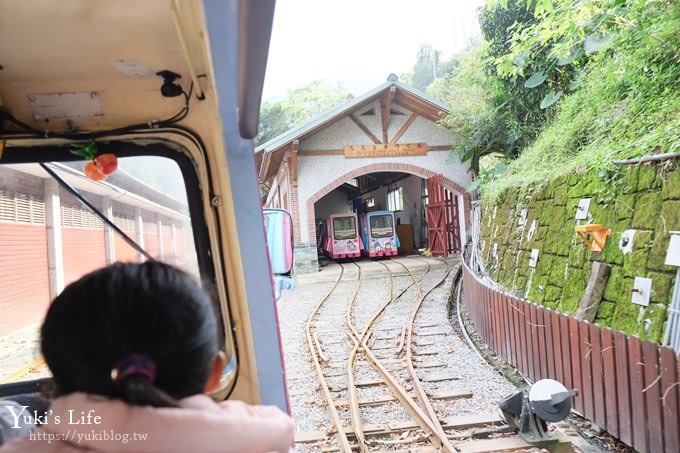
{"x":360,"y":42}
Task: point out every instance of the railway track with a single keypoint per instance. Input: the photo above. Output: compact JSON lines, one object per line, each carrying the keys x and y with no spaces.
{"x":378,"y":370}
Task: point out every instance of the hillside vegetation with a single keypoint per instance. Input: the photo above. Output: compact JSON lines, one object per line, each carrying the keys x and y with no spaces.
{"x":570,"y":85}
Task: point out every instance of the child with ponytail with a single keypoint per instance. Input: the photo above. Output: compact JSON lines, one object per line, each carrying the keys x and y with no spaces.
{"x":133,"y":349}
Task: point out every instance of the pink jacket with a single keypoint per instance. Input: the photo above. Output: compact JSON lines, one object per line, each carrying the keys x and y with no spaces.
{"x":88,"y":423}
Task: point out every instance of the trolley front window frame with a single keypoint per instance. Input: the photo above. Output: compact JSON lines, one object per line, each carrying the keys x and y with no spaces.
{"x":346,"y":231}
{"x":381,"y":231}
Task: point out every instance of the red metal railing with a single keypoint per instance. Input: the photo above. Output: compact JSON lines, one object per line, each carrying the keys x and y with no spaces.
{"x":627,"y":386}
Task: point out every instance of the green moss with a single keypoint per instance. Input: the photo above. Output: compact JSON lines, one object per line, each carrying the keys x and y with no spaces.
{"x":578,"y":254}
{"x":668,"y":221}
{"x":591,"y":184}
{"x":572,"y":204}
{"x":543,"y":267}
{"x":647,"y":209}
{"x":653,"y":213}
{"x":605,"y":313}
{"x":555,"y":229}
{"x":556,"y":277}
{"x":671,"y":186}
{"x":602,"y":322}
{"x":648,"y":178}
{"x":550,"y":244}
{"x":661,"y":287}
{"x":618,"y":230}
{"x":624,"y":207}
{"x":630,"y":180}
{"x":635,"y":263}
{"x":536,"y":294}
{"x":626,"y":316}
{"x":560,"y":195}
{"x":651,"y":327}
{"x":499,"y":236}
{"x":670,"y":211}
{"x":535,"y":243}
{"x":643,"y":240}
{"x":604,"y":215}
{"x":546,"y":216}
{"x":564,"y":216}
{"x":611,"y":253}
{"x":574,"y":178}
{"x":553,"y":294}
{"x":508,"y":267}
{"x":521,"y":283}
{"x":553,"y":304}
{"x":573,"y":290}
{"x":586,"y":184}
{"x":510,"y":196}
{"x":544,"y":191}
{"x":564,"y":241}
{"x":618,"y":285}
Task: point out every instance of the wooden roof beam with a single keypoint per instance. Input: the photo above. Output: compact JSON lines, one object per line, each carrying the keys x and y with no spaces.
{"x":364,"y":129}
{"x":293,"y":171}
{"x":403,"y":128}
{"x":386,"y":104}
{"x":417,"y":106}
{"x":267,"y":160}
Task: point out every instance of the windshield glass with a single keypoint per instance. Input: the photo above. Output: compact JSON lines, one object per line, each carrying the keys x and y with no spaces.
{"x":344,"y":228}
{"x":381,"y":226}
{"x":48,"y":239}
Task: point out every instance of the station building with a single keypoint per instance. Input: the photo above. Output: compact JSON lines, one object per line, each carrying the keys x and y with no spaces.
{"x":384,"y":150}
{"x":49,"y":239}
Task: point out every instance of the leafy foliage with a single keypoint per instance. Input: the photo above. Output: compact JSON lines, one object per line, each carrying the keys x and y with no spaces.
{"x":426,"y":68}
{"x":558,"y":42}
{"x":85,"y":150}
{"x":624,"y":102}
{"x":507,"y":115}
{"x":300,"y":104}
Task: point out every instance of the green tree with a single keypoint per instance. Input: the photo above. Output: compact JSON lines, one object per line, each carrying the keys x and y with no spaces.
{"x":614,"y":65}
{"x":518,"y":104}
{"x":491,"y":113}
{"x":273,"y":122}
{"x":479,"y":127}
{"x":300,"y":104}
{"x":426,"y":69}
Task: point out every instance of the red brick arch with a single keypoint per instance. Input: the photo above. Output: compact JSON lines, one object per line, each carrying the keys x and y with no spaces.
{"x":391,"y":166}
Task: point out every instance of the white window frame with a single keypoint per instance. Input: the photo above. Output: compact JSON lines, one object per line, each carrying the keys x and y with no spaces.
{"x":395,"y":199}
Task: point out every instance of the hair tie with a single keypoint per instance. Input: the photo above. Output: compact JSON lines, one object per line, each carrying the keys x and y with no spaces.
{"x":134,"y":364}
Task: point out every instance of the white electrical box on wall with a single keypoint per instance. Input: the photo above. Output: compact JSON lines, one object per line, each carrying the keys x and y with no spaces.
{"x":534,"y":258}
{"x":642,"y":289}
{"x":673,"y":252}
{"x":582,"y":209}
{"x":523,"y":217}
{"x":532,"y":229}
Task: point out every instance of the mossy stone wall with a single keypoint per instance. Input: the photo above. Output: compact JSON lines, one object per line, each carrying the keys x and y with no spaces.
{"x":641,"y":200}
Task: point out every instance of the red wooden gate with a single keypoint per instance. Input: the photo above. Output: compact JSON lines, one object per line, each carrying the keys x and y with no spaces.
{"x":452,"y":222}
{"x":443,"y":224}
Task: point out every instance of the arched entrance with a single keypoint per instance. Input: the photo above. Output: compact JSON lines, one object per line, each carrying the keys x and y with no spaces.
{"x":455,"y":188}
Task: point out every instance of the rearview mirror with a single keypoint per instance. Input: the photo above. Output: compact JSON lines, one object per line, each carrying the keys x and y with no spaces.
{"x":278,"y":225}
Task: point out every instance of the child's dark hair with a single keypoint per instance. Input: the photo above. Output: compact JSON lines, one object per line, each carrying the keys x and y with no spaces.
{"x":150,"y":310}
